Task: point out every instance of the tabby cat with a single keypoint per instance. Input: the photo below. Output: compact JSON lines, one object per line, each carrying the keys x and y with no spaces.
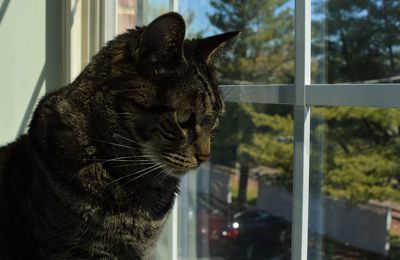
{"x":97,"y":173}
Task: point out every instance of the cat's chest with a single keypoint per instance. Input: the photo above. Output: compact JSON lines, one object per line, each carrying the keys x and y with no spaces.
{"x":135,"y":230}
{"x":125,"y":226}
{"x":106,"y":235}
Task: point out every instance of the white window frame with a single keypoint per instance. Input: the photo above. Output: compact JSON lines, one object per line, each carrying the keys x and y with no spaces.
{"x":302,"y":95}
{"x":86,"y":28}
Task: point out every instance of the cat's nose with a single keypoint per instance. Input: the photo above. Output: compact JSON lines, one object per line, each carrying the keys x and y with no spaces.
{"x":202,"y":157}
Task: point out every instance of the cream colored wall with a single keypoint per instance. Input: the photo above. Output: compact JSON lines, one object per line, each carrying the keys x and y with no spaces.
{"x":30,"y":59}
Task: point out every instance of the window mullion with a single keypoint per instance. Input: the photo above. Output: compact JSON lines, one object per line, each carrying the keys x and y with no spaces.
{"x":260,"y":94}
{"x":174,"y":5}
{"x":301,"y":130}
{"x":72,"y":25}
{"x":366,"y":95}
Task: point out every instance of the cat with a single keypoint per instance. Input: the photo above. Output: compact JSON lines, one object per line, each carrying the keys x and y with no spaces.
{"x":98,"y":170}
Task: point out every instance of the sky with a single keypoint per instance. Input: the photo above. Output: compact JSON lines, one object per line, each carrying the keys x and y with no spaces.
{"x":200,"y":8}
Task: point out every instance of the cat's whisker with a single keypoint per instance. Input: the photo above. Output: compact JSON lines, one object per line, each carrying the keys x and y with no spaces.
{"x":141,"y":175}
{"x":131,"y":164}
{"x":229,"y":93}
{"x":240,"y":94}
{"x":164,"y":172}
{"x":144,"y":160}
{"x":153,"y":168}
{"x":132,"y":159}
{"x":167,"y":174}
{"x":133,"y":141}
{"x":118,"y":159}
{"x":116,"y":144}
{"x":226,"y":91}
{"x":160,"y":174}
{"x":129,"y":175}
{"x":146,"y":157}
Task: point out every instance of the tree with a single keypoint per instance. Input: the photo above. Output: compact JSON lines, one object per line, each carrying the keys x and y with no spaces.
{"x":360,"y":39}
{"x":264,"y":54}
{"x":272,"y":142}
{"x":363,"y":147}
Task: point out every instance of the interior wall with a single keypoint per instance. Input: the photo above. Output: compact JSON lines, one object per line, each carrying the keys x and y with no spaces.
{"x":31,"y":60}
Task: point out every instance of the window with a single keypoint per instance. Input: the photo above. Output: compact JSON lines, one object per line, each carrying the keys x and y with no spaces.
{"x":354,"y":183}
{"x":306,"y":162}
{"x":303,"y":147}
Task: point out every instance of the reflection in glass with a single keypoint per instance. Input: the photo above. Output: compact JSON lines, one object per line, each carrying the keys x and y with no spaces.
{"x":356,"y":41}
{"x":243,"y":195}
{"x":131,"y":13}
{"x":354,"y":190}
{"x":265,"y":52}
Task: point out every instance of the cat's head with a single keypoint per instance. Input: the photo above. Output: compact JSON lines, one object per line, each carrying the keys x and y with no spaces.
{"x":164,"y":91}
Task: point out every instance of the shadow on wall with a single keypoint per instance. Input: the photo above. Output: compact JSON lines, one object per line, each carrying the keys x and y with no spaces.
{"x":32,"y":102}
{"x":51,"y":73}
{"x":3,"y":9}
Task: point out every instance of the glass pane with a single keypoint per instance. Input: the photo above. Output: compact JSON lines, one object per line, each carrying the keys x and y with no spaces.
{"x":133,"y":13}
{"x":264,"y":54}
{"x":238,"y":206}
{"x":354,"y":190}
{"x":356,"y":41}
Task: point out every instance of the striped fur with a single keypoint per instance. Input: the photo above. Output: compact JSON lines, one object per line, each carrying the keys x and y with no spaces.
{"x":98,"y":170}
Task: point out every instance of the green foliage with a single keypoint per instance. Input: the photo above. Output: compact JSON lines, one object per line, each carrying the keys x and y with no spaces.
{"x":235,"y":128}
{"x":362,"y":150}
{"x":358,"y":40}
{"x":265,"y":52}
{"x":354,"y":150}
{"x":271,"y":141}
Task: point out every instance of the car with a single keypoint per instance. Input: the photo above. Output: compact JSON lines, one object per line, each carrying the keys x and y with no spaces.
{"x":257,"y":234}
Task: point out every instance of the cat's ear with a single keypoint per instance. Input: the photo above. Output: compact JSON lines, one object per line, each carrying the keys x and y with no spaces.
{"x":162,"y":40}
{"x":213,"y":46}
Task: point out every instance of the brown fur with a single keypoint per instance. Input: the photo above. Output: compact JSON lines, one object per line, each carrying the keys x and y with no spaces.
{"x":66,"y":191}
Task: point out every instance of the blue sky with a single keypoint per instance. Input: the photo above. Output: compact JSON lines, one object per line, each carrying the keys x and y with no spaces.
{"x":200,"y":8}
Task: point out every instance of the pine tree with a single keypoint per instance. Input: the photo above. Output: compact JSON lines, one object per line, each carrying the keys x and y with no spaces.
{"x":263,"y":55}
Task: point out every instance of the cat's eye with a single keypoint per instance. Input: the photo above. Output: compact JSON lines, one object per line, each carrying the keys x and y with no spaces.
{"x":184,"y":118}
